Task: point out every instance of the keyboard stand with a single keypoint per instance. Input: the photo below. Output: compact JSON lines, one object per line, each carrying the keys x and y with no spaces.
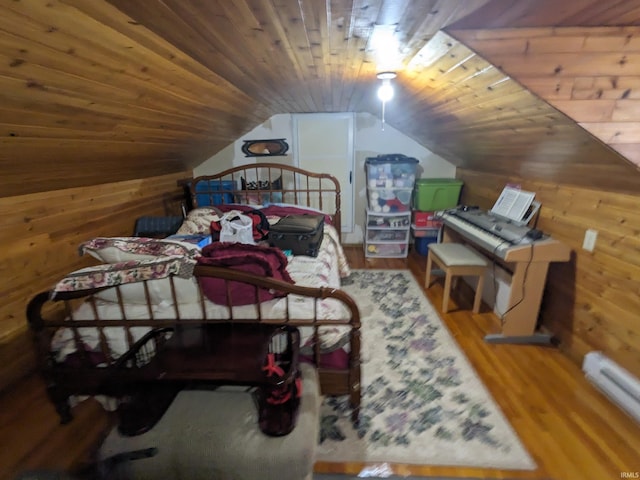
{"x":533,"y":339}
{"x":539,"y":337}
{"x":528,"y":265}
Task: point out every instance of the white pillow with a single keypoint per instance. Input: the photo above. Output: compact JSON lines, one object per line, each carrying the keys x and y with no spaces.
{"x":198,"y":221}
{"x":123,"y":249}
{"x":129,"y":278}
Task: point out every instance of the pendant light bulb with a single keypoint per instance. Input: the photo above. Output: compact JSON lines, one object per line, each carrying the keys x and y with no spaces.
{"x":385,"y":92}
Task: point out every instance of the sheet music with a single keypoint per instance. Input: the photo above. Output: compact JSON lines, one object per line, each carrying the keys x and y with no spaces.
{"x":513,"y":203}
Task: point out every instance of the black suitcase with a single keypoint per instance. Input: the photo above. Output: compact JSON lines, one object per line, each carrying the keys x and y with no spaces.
{"x":302,"y":234}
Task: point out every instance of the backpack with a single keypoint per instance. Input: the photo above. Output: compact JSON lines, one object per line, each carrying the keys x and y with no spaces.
{"x":260,"y":224}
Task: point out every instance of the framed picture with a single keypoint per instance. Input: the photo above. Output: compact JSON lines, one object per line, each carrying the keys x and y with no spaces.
{"x":265,"y":148}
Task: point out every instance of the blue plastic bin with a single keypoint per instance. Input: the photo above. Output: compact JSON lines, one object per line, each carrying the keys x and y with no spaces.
{"x":206,"y":196}
{"x":422,"y":244}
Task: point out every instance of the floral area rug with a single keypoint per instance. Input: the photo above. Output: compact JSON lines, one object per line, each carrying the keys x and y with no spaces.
{"x":422,"y":401}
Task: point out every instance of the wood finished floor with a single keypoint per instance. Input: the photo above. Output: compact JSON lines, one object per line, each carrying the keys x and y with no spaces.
{"x":570,"y":429}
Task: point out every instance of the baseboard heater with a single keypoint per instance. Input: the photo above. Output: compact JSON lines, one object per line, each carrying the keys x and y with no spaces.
{"x":618,"y":384}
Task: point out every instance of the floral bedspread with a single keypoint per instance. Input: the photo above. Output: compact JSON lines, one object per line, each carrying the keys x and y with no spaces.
{"x":131,"y":271}
{"x":326,"y":269}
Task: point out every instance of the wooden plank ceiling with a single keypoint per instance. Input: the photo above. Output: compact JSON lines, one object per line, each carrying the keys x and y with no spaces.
{"x":105,"y":90}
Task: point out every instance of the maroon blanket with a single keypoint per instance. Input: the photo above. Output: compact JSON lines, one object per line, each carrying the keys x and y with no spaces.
{"x":258,"y":260}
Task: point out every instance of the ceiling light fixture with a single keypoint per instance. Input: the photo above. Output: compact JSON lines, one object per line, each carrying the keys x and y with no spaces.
{"x":385,"y":91}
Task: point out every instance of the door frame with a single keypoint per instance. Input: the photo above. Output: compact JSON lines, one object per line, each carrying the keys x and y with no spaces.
{"x":347,"y":191}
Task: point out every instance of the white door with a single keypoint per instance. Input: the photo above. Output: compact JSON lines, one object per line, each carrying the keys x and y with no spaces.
{"x":324,"y":143}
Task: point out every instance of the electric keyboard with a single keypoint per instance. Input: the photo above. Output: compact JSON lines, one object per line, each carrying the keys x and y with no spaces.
{"x":487,"y":231}
{"x":524,"y":260}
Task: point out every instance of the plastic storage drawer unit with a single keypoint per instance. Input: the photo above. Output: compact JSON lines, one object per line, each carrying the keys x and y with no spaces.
{"x":437,"y":193}
{"x":387,"y":234}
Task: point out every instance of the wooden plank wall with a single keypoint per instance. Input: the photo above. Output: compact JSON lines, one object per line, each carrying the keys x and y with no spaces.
{"x":40,"y":234}
{"x":158,"y":86}
{"x":88,"y":96}
{"x":477,"y":117}
{"x":591,"y":302}
{"x":592,"y":74}
{"x":536,"y":13}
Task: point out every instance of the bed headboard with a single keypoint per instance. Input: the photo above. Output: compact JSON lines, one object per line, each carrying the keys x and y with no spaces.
{"x":265,"y":183}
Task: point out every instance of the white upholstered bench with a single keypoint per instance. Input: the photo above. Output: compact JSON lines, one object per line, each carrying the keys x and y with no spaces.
{"x":214,"y":434}
{"x":456,"y":260}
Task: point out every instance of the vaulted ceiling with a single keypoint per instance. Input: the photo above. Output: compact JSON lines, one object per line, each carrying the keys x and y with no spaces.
{"x":148,"y":87}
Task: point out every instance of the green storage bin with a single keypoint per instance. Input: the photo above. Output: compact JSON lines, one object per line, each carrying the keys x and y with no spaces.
{"x":436,"y":193}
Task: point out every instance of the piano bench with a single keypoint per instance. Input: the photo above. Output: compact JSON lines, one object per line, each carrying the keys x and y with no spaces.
{"x":456,"y":260}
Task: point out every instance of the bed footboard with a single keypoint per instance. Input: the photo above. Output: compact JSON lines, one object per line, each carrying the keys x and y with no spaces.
{"x":86,"y":346}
